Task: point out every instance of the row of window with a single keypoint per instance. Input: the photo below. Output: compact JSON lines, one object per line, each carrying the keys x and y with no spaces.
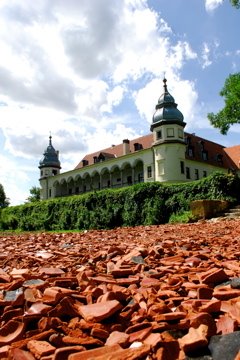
{"x":204,"y":153}
{"x":188,"y":171}
{"x":170,"y":133}
{"x":183,"y":170}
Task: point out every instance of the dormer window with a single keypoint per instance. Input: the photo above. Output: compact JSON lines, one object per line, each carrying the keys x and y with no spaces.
{"x":190,"y":151}
{"x":219,"y":158}
{"x":101,"y":158}
{"x":137,"y":146}
{"x":204,"y":155}
{"x":84,"y":162}
{"x":201,"y":144}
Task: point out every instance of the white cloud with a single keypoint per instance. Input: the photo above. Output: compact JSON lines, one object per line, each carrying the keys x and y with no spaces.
{"x":211,"y":5}
{"x":68,"y":66}
{"x":183,"y":92}
{"x":206,"y":56}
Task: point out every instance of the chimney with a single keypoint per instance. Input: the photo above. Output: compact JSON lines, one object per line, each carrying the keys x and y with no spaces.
{"x":126,"y":146}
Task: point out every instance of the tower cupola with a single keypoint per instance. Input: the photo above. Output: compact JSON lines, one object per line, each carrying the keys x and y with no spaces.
{"x":49,"y":165}
{"x":166,"y":109}
{"x":168,"y":139}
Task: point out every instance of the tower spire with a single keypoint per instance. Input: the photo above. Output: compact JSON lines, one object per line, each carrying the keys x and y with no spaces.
{"x":165,"y":85}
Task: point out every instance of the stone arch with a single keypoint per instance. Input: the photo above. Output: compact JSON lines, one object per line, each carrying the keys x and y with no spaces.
{"x":56,"y":188}
{"x":116,"y":175}
{"x":86,"y":182}
{"x":70,"y":186}
{"x":105,"y":178}
{"x":96,"y":181}
{"x":63,"y":187}
{"x":127,"y":174}
{"x":78,"y":184}
{"x":138,"y":171}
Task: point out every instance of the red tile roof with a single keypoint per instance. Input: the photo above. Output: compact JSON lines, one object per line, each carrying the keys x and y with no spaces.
{"x":234,"y":153}
{"x":217,"y":154}
{"x":117,"y":150}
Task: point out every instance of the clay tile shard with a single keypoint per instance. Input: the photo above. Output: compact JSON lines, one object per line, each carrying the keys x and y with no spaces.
{"x":135,"y":353}
{"x":38,"y":308}
{"x":117,"y":337}
{"x":99,"y":311}
{"x":226,"y":325}
{"x":194,"y":340}
{"x":204,"y":318}
{"x":40,"y":348}
{"x":10,"y":332}
{"x":177,"y":315}
{"x":99,"y":333}
{"x":112,"y":353}
{"x":140,"y":335}
{"x":204,"y":293}
{"x":210,"y":306}
{"x":153,"y":340}
{"x":64,"y":352}
{"x":213,"y":276}
{"x":18,"y":273}
{"x":85,"y":341}
{"x":225,"y":293}
{"x":150,"y":282}
{"x":170,"y":346}
{"x":4,"y":350}
{"x":95,"y":353}
{"x":18,"y":354}
{"x":51,"y":271}
{"x":4,"y":277}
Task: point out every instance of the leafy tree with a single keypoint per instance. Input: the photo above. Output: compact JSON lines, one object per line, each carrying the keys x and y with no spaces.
{"x":35,"y":194}
{"x":235,"y":3}
{"x":230,"y":114}
{"x":4,"y":201}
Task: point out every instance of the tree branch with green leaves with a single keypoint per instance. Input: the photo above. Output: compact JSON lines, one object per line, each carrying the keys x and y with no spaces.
{"x":230,"y":114}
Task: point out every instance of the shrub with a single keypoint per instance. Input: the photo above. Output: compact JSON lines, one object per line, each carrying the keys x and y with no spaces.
{"x":141,"y":204}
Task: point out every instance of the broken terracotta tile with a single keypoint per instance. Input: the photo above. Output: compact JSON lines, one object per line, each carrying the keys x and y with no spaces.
{"x":226,"y":325}
{"x":40,"y":348}
{"x":213,"y":276}
{"x":64,"y":352}
{"x":225,"y":293}
{"x":117,"y":337}
{"x":100,"y":311}
{"x":11,"y":331}
{"x":19,"y":354}
{"x":95,"y":353}
{"x":165,"y":279}
{"x":195,"y":339}
{"x":204,"y":318}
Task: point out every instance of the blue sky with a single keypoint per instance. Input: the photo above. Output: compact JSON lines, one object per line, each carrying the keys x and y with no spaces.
{"x":90,"y":72}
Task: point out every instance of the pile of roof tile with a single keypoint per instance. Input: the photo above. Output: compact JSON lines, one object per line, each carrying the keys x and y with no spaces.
{"x":157,"y":292}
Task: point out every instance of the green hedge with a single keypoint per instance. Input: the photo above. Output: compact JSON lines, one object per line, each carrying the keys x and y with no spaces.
{"x":141,"y":204}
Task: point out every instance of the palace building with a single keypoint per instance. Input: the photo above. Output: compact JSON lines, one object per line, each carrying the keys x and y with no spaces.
{"x":167,"y":154}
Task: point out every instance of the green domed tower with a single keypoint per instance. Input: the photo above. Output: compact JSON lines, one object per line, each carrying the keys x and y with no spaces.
{"x":168,"y":139}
